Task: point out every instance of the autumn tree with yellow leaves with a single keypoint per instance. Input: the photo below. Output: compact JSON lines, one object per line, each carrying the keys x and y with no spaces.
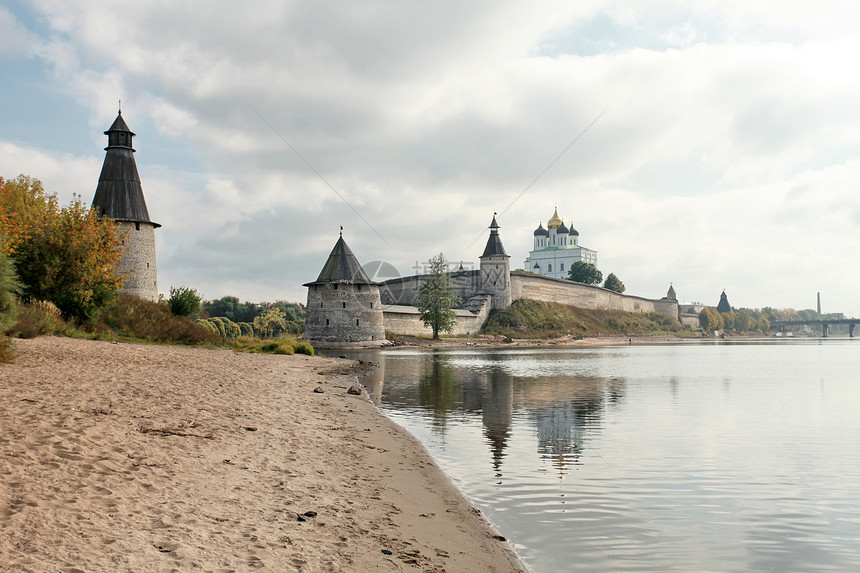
{"x":67,"y":255}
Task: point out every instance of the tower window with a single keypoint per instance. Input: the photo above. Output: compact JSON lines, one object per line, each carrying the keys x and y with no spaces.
{"x":136,"y":226}
{"x":561,"y":268}
{"x":344,"y":305}
{"x":356,"y":322}
{"x":326,"y":322}
{"x":549,"y":268}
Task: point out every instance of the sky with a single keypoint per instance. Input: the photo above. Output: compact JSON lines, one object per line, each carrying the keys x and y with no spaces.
{"x":709,"y":145}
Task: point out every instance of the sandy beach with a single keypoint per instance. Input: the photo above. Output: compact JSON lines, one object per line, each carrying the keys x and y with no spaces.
{"x":125,"y":457}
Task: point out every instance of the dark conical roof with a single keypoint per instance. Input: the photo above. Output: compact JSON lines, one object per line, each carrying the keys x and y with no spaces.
{"x":494,"y":243}
{"x":724,"y":305}
{"x":119,"y":194}
{"x":119,"y":125}
{"x":342,"y":267}
{"x":562,"y":229}
{"x":540,"y":231}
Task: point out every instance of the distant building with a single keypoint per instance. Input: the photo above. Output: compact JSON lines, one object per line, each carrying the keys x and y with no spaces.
{"x":556,"y":248}
{"x":346,"y":308}
{"x":119,"y":196}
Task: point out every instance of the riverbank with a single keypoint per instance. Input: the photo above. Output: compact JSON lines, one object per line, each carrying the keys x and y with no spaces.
{"x":488,"y":341}
{"x":127,"y":457}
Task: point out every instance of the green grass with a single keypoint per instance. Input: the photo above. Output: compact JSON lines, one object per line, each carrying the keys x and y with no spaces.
{"x":284,"y":345}
{"x":534,"y":319}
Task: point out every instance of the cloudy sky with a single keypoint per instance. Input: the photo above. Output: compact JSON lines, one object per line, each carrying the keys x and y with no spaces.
{"x":715,"y":144}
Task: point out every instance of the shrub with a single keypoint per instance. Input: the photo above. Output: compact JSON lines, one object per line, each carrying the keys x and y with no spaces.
{"x":278,"y":346}
{"x":184,"y":301}
{"x":246,"y":329}
{"x":37,"y":319}
{"x":152,"y":321}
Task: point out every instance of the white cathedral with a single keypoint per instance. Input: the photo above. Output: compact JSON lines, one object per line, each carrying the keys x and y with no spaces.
{"x":556,"y":248}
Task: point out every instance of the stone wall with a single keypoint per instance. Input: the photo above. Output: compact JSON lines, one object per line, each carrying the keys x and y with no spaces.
{"x":344,"y":313}
{"x":405,"y":290}
{"x":536,"y":287}
{"x":139,"y":260}
{"x":406,"y":321}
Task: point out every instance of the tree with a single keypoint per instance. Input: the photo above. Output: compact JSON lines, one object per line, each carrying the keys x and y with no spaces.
{"x":710,"y":319}
{"x":271,"y":323}
{"x":613,"y":283}
{"x":585,"y":273}
{"x":66,"y":255}
{"x":436,"y":298}
{"x":184,"y":301}
{"x":8,"y":307}
{"x":8,"y":288}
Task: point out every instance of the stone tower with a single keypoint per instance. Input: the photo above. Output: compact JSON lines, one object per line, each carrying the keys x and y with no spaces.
{"x":344,"y":307}
{"x":120,"y":197}
{"x":496,"y":269}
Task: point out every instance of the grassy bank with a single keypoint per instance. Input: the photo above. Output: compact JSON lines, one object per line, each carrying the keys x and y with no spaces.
{"x":534,"y":319}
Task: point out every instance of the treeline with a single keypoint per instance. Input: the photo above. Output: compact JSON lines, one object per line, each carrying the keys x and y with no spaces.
{"x":750,"y":319}
{"x":230,"y":318}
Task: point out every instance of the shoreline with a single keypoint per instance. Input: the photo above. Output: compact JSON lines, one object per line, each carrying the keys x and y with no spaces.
{"x":129,"y":457}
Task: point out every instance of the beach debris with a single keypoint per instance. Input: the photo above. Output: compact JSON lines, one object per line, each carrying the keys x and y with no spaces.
{"x":355,"y":390}
{"x":302,"y":517}
{"x":250,"y":428}
{"x":318,"y":390}
{"x":387,"y":552}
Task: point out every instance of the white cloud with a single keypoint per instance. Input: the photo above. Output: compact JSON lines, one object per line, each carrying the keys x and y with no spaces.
{"x":727,"y":124}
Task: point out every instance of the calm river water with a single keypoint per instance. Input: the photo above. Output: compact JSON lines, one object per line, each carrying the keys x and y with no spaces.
{"x":720,"y":456}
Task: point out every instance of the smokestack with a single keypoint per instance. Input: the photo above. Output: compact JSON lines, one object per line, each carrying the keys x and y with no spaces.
{"x":819,"y":303}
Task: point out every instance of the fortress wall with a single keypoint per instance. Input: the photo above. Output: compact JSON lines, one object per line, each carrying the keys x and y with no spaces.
{"x":406,"y":321}
{"x":405,"y":290}
{"x":139,"y":260}
{"x":548,"y":289}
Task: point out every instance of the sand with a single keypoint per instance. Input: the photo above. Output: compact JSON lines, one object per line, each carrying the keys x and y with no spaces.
{"x":124,"y":457}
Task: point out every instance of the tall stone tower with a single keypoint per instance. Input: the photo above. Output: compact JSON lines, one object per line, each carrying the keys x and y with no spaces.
{"x":120,"y":197}
{"x":344,"y":307}
{"x":496,"y":269}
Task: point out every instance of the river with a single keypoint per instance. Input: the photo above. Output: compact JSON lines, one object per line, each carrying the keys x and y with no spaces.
{"x":715,"y":456}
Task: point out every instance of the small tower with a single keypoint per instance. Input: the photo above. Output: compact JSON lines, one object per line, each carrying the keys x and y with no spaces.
{"x":343,"y":303}
{"x":670,"y":294}
{"x":496,"y":269}
{"x":119,"y":196}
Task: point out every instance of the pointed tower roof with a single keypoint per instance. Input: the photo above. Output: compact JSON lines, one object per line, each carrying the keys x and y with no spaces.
{"x":342,"y":267}
{"x":494,"y":243}
{"x":119,"y":194}
{"x":671,"y":293}
{"x":540,"y":231}
{"x":724,"y":305}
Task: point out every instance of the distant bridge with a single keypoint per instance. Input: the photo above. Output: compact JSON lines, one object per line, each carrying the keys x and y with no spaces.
{"x":824,"y":323}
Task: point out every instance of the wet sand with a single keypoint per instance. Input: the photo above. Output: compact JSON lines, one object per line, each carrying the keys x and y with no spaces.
{"x":122,"y":457}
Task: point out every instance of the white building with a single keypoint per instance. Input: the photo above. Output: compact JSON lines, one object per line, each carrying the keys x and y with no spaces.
{"x":556,"y":248}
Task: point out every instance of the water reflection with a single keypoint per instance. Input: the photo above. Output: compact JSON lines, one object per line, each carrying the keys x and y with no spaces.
{"x":563,"y":410}
{"x":716,"y":457}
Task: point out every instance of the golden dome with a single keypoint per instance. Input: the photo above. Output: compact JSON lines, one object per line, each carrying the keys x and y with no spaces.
{"x":555,"y":221}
